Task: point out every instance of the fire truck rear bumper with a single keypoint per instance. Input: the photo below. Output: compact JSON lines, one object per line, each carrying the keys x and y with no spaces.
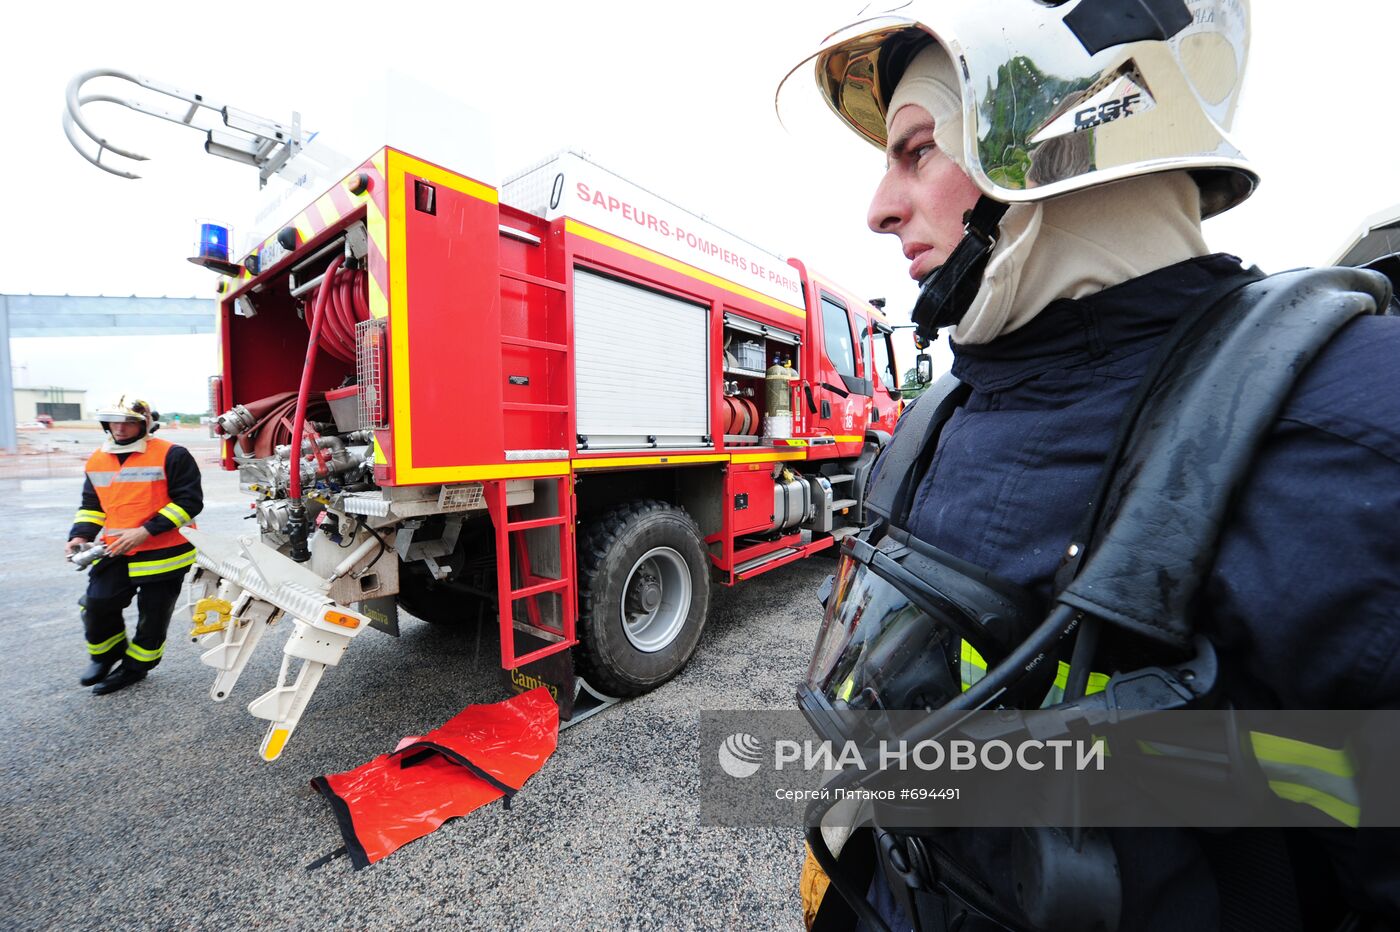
{"x":248,"y":587}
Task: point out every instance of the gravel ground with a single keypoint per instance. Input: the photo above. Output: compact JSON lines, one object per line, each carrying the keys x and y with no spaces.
{"x":151,"y":809}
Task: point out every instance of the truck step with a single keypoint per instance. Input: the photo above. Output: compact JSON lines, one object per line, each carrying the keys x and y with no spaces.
{"x":843,"y":503}
{"x":840,"y":477}
{"x":544,"y":634}
{"x":841,"y":533}
{"x":767,"y":558}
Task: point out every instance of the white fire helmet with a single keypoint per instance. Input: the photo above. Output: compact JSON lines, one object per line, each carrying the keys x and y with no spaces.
{"x":135,"y":412}
{"x":1063,"y":96}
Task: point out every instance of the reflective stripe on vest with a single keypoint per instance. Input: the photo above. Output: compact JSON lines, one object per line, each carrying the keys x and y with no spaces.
{"x":154,"y":567}
{"x":134,"y":492}
{"x":140,"y":473}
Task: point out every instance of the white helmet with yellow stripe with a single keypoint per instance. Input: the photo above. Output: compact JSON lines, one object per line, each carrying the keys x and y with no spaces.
{"x":135,"y":411}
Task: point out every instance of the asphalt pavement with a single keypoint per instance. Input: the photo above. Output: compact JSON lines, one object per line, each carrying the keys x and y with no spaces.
{"x":151,"y":809}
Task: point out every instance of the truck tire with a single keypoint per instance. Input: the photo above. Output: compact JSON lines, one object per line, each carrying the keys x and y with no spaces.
{"x":644,"y":594}
{"x":864,"y":466}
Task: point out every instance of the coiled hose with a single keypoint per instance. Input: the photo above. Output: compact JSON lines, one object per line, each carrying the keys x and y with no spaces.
{"x":348,"y":305}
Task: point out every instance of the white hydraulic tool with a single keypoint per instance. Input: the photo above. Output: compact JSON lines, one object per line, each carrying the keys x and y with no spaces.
{"x":248,"y":586}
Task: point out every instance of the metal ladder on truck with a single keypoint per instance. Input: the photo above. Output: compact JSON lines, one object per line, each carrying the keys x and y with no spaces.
{"x":537,"y":599}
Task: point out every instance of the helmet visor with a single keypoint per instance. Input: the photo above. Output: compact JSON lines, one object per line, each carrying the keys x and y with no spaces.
{"x":135,"y":412}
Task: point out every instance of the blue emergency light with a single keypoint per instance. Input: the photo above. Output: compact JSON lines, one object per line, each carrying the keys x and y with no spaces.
{"x":213,"y":241}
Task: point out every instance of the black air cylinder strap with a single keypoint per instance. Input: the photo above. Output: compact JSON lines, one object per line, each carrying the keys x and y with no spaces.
{"x":1216,"y":402}
{"x":1164,"y":357}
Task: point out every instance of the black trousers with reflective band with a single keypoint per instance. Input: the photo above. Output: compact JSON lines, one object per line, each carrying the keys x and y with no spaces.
{"x":110,"y":590}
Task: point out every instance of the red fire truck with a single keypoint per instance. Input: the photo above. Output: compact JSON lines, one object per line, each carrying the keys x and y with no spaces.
{"x":565,"y":406}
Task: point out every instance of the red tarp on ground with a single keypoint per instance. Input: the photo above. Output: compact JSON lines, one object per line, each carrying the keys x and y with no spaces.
{"x":482,"y":754}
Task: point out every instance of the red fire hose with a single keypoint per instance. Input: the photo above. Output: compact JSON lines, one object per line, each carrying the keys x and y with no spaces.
{"x":347,"y":305}
{"x":344,"y":305}
{"x":318,"y":315}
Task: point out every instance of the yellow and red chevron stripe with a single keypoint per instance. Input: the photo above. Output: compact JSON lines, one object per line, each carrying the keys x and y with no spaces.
{"x":378,"y":235}
{"x":334,"y":206}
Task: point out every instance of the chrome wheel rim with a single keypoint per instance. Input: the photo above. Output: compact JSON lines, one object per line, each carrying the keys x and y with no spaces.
{"x":655,"y":599}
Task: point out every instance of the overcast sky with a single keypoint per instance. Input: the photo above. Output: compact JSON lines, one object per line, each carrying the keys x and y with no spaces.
{"x":677,"y":97}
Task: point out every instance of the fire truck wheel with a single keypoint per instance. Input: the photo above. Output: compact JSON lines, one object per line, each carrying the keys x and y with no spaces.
{"x":644,"y":593}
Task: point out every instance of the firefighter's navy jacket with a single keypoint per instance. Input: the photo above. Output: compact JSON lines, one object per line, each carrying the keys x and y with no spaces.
{"x":1304,"y":598}
{"x":181,"y":498}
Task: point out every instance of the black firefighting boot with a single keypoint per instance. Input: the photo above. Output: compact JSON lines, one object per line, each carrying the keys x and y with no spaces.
{"x":124,"y":676}
{"x":98,"y":669}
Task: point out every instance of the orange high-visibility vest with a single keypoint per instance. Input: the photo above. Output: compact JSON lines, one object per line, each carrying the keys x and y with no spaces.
{"x":134,"y":492}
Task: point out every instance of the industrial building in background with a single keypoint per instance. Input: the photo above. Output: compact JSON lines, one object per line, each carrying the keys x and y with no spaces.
{"x":51,"y":402}
{"x":42,"y":315}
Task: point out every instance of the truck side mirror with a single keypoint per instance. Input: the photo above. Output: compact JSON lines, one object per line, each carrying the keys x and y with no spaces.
{"x":924,"y":363}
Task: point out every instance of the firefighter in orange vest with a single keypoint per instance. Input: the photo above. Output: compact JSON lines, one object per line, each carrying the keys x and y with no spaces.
{"x":139,"y":492}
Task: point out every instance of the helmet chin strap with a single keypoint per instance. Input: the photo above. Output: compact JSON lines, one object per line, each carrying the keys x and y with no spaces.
{"x":946,"y":293}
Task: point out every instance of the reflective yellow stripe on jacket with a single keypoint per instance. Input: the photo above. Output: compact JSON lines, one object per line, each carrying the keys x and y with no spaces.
{"x":175,"y":514}
{"x":88,"y":516}
{"x":1311,"y":774}
{"x":1056,"y":695}
{"x":1317,"y":776}
{"x":153,"y":567}
{"x":972,"y":667}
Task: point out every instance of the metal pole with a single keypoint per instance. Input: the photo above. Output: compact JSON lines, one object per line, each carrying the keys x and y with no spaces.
{"x":9,"y":440}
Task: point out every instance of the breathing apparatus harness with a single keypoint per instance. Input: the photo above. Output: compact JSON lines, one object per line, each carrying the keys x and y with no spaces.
{"x":1241,"y":352}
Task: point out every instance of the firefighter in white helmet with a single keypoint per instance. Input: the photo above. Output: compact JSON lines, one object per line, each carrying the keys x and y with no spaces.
{"x":1047,"y":167}
{"x":140,"y":490}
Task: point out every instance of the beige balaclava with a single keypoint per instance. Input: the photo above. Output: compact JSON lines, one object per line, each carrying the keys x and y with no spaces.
{"x":1065,"y":247}
{"x":110,"y":445}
